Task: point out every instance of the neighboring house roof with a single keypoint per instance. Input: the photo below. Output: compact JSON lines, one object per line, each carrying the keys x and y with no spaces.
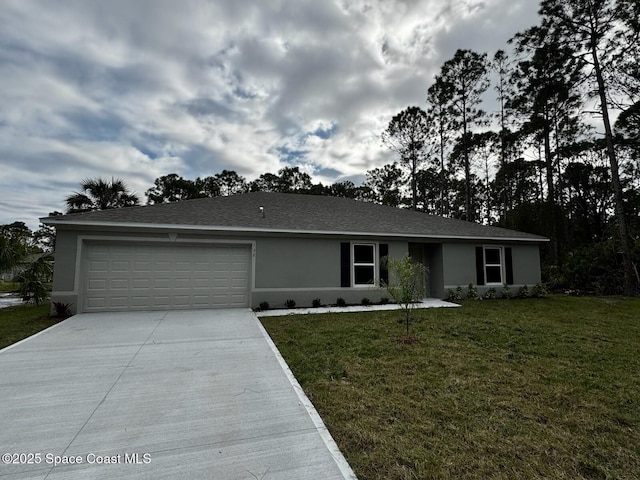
{"x":292,"y":213}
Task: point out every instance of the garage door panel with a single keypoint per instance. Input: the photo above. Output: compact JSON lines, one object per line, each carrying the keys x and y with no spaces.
{"x":96,"y":302}
{"x":161,"y":301}
{"x":199,"y":276}
{"x":119,"y":283}
{"x":120,"y":266}
{"x":100,"y":284}
{"x":159,"y":283}
{"x":200,"y":290}
{"x":118,"y":302}
{"x":141,"y":303}
{"x":182,"y":289}
{"x":98,"y":266}
{"x":239,"y":300}
{"x":163,"y":267}
{"x":220,"y":299}
{"x":142,"y":267}
{"x":220,"y":283}
{"x":162,"y":292}
{"x":183,"y":267}
{"x":119,"y":276}
{"x":216,"y":274}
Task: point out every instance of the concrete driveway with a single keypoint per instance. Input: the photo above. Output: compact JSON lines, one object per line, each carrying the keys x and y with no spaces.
{"x":182,"y":394}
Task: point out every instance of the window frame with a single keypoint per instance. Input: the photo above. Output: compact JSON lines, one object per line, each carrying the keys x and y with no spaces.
{"x":374,"y":265}
{"x":493,"y":265}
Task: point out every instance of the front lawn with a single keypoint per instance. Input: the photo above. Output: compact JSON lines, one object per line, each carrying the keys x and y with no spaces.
{"x":492,"y":390}
{"x":23,"y":321}
{"x":9,"y":287}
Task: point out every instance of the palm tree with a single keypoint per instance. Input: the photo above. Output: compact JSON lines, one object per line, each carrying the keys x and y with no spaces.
{"x":34,"y":278}
{"x":10,"y":253}
{"x":14,"y":245}
{"x":99,"y":194}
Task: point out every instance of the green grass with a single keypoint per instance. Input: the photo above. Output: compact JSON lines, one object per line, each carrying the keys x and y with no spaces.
{"x":492,"y":390}
{"x":23,"y":321}
{"x":9,"y":287}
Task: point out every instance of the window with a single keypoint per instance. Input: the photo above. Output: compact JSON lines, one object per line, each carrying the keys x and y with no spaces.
{"x":493,"y":265}
{"x":364,"y":264}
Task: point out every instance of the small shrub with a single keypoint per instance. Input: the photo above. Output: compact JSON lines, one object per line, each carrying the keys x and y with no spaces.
{"x":62,"y":309}
{"x":523,"y":292}
{"x":264,"y":305}
{"x":365,"y":301}
{"x":453,"y":295}
{"x":384,"y":300}
{"x":490,"y":294}
{"x":472,"y":292}
{"x":315,"y":303}
{"x":506,"y":292}
{"x":290,"y":303}
{"x":539,"y":291}
{"x":340,"y":302}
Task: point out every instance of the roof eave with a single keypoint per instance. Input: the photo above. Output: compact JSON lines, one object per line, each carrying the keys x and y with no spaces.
{"x":216,"y":228}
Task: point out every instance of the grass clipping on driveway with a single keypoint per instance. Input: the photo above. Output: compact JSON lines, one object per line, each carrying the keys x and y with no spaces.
{"x":493,"y":390}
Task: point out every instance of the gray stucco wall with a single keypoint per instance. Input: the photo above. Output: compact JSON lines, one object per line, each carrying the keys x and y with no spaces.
{"x":303,"y":262}
{"x":459,"y":264}
{"x":294,"y":262}
{"x":65,"y":263}
{"x":305,"y":267}
{"x":459,"y":261}
{"x":526,"y":265}
{"x":301,"y":268}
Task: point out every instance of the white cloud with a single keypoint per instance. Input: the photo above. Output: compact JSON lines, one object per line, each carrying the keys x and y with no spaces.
{"x":140,"y":89}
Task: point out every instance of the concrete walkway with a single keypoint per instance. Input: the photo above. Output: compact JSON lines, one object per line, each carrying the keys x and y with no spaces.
{"x":426,"y":303}
{"x":154,"y":395}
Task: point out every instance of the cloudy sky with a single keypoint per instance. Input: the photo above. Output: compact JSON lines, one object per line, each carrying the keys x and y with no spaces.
{"x":136,"y":89}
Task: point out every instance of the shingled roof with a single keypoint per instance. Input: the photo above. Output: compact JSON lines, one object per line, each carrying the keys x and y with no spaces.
{"x":293,"y":213}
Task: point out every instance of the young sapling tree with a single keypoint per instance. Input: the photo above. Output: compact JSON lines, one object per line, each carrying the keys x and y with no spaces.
{"x":406,"y":284}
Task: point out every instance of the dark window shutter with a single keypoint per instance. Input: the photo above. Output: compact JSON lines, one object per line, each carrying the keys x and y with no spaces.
{"x":345,"y":264}
{"x":508,"y":265}
{"x":384,"y":271}
{"x":479,"y":266}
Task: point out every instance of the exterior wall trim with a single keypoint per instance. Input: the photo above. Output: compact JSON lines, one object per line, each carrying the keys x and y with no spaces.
{"x":214,"y":228}
{"x":485,"y":287}
{"x":319,"y":289}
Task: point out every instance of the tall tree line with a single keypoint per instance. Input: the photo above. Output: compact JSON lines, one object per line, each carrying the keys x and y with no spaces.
{"x":549,"y":159}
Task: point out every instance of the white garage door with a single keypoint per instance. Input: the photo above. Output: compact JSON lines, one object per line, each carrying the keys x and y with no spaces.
{"x":157,"y":277}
